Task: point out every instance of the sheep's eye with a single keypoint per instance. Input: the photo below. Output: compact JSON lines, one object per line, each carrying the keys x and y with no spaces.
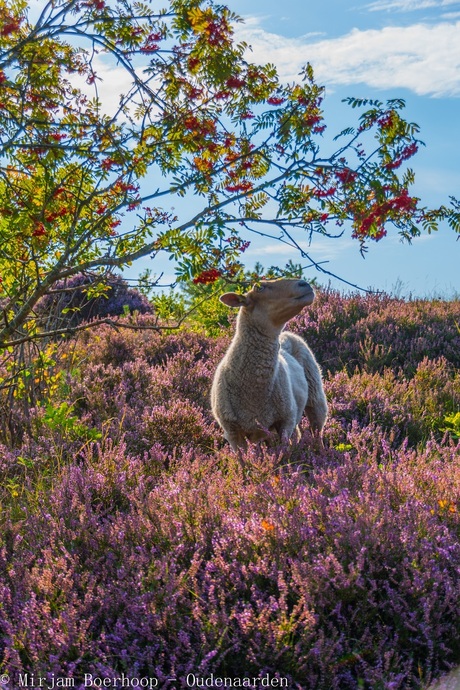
{"x":259,"y":288}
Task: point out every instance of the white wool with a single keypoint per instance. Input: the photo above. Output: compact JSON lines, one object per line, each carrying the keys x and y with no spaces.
{"x":268,"y":378}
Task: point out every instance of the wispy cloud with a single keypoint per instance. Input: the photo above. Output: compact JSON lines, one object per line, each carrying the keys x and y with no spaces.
{"x":408,"y":5}
{"x":320,"y":250}
{"x":422,"y":57}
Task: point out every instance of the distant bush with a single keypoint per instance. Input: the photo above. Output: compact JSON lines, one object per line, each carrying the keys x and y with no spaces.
{"x":72,"y":303}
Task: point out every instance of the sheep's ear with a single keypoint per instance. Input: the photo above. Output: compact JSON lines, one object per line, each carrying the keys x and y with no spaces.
{"x":231,"y":299}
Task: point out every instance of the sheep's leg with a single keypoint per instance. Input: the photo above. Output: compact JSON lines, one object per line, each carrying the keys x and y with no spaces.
{"x":236,"y":439}
{"x":239,"y":455}
{"x":316,"y":407}
{"x":238,"y":444}
{"x":286,"y":433}
{"x":298,"y":433}
{"x":317,"y":418}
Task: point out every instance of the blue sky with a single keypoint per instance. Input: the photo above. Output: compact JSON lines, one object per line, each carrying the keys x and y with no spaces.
{"x":381,"y":49}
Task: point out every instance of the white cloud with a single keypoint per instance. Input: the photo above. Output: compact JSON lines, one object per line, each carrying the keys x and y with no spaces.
{"x":423,"y":58}
{"x":112,"y":83}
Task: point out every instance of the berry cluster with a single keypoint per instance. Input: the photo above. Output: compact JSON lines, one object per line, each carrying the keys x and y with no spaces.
{"x":206,"y":277}
{"x":380,"y":212}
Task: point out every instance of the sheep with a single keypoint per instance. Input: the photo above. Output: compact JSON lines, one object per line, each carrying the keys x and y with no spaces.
{"x":268,"y":378}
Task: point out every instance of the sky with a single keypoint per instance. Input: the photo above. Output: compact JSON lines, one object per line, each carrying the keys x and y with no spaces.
{"x":380,"y":49}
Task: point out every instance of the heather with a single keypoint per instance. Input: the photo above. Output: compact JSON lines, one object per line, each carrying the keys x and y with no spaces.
{"x":376,"y":331}
{"x":132,"y":543}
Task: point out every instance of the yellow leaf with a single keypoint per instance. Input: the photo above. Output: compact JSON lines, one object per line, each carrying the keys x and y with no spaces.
{"x":199,"y":19}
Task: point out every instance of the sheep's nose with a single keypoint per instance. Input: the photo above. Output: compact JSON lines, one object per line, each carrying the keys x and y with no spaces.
{"x":303,"y":283}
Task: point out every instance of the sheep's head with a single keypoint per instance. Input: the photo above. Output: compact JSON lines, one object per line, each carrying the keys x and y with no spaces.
{"x":273,"y":302}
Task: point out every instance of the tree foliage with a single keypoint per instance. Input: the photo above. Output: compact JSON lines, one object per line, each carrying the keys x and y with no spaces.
{"x":198,"y":305}
{"x":89,"y":183}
